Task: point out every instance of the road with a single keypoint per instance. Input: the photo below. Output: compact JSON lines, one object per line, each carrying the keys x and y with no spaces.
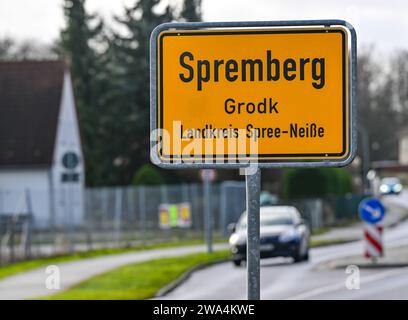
{"x":280,"y":279}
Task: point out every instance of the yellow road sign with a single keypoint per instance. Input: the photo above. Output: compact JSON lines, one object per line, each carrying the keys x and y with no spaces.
{"x":270,"y":94}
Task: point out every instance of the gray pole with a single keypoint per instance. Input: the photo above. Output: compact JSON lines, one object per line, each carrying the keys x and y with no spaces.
{"x":142,"y":212}
{"x":70,"y":215}
{"x":208,"y":216}
{"x":28,"y":225}
{"x":253,"y":189}
{"x":118,"y":214}
{"x":366,"y":156}
{"x":51,"y":205}
{"x":223,"y":209}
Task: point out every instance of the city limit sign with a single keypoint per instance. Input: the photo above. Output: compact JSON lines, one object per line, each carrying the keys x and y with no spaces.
{"x":225,"y":95}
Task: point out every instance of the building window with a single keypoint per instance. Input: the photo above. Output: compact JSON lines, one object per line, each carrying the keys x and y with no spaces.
{"x":70,"y":177}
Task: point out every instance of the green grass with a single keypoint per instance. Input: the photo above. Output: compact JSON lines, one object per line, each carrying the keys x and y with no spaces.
{"x":320,"y":231}
{"x":11,"y":269}
{"x":323,"y":243}
{"x":137,"y":281}
{"x":144,"y":280}
{"x":347,"y":222}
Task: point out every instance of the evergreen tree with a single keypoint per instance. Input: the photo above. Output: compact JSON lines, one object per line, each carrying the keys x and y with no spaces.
{"x":76,"y":41}
{"x":130,"y":73}
{"x":81,"y":32}
{"x":191,"y":10}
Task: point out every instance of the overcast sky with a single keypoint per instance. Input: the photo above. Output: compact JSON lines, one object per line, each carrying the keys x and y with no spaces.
{"x":383,"y":23}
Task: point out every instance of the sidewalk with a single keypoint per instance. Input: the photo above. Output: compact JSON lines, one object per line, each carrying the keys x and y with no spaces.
{"x":31,"y":284}
{"x":349,"y":233}
{"x":395,"y":257}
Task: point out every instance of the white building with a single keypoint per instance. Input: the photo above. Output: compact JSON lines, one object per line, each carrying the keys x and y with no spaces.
{"x":40,"y":144}
{"x":403,"y":148}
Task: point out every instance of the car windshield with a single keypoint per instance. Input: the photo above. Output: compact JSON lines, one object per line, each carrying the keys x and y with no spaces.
{"x":269,"y":219}
{"x":390,"y":181}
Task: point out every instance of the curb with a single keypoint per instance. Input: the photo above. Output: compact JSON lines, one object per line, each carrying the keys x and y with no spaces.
{"x":374,"y":266}
{"x":334,"y":242}
{"x":395,"y":223}
{"x":403,"y":217}
{"x":185,"y":276}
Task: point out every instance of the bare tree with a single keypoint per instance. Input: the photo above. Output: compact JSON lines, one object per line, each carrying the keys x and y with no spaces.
{"x":378,"y":114}
{"x":11,"y":50}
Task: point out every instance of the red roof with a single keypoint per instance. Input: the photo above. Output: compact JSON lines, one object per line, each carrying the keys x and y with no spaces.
{"x":30,"y":98}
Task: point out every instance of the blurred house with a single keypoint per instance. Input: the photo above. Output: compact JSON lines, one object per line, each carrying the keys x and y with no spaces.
{"x":403,"y":148}
{"x":41,"y":160}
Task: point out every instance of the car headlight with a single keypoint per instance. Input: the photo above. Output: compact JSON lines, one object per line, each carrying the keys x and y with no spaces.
{"x":397,"y":187}
{"x":234,"y":239}
{"x":288,"y":235}
{"x":384,"y":188}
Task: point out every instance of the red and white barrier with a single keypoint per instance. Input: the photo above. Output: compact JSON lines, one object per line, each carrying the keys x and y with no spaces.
{"x":373,"y":240}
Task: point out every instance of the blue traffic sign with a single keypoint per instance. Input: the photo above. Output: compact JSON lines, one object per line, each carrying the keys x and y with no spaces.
{"x":371,"y":210}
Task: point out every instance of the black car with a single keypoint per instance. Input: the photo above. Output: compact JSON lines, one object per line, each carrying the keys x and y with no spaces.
{"x":282,"y":234}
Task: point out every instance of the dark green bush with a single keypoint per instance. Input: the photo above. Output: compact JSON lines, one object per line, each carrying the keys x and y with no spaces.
{"x":147,"y":175}
{"x":301,"y":182}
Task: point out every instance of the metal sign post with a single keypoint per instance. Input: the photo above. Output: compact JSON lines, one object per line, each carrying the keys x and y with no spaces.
{"x":208,"y":176}
{"x":208,"y":215}
{"x":253,"y":190}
